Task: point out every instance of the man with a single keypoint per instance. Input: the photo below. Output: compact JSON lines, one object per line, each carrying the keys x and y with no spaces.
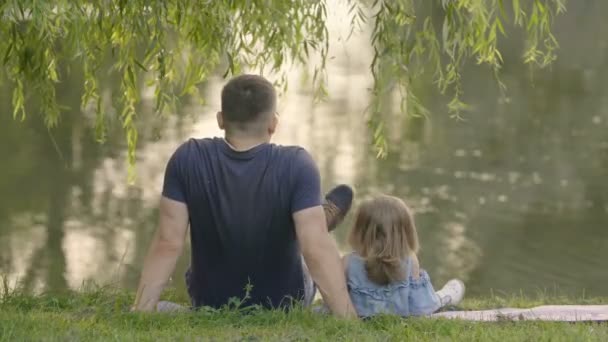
{"x":254,"y":210}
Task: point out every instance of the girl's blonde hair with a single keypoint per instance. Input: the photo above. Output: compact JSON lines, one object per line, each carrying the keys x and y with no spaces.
{"x":384,"y":234}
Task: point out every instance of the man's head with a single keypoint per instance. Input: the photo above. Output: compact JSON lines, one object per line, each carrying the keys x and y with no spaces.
{"x":248,"y":107}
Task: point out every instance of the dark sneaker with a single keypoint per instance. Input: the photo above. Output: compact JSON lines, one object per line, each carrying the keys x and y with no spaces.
{"x":337,"y":204}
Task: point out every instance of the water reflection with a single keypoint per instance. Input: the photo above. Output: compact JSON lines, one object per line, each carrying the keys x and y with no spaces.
{"x":512,"y":198}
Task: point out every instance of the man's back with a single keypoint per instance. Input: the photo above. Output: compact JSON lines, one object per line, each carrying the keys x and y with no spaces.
{"x":249,"y":213}
{"x":240,"y":206}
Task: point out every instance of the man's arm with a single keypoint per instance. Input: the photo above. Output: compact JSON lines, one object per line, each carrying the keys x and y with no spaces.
{"x":323,"y":260}
{"x":166,"y":247}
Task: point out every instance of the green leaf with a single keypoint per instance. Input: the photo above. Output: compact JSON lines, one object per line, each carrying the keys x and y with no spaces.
{"x":141,"y":66}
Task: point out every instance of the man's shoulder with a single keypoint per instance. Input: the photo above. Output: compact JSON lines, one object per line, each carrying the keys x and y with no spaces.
{"x":193,"y":144}
{"x":297,"y":157}
{"x":293,"y":151}
{"x":299,"y":162}
{"x":191,"y":152}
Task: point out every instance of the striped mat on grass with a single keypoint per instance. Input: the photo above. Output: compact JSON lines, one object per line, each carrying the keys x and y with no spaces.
{"x":556,"y":313}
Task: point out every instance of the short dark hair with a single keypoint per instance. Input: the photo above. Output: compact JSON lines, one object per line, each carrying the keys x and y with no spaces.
{"x":247,"y":99}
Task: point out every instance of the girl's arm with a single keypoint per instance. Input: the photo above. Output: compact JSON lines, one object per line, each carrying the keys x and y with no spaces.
{"x":423,"y":299}
{"x":415,"y":272}
{"x":345,"y":263}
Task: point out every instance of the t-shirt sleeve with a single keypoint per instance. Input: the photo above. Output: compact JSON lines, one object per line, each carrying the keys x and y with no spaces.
{"x":307,"y":182}
{"x":173,"y":185}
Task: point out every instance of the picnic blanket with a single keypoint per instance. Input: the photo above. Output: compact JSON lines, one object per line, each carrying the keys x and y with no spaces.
{"x":557,"y":313}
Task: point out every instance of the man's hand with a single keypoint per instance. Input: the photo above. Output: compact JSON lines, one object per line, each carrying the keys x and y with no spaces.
{"x":323,"y":260}
{"x":166,"y":247}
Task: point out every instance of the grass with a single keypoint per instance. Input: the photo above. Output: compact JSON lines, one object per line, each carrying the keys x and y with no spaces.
{"x":102,"y":315}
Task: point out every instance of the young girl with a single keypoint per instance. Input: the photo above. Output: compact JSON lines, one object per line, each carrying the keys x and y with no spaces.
{"x":383,"y":273}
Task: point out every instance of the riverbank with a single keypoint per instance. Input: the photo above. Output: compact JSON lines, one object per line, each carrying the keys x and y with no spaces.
{"x":103,"y":315}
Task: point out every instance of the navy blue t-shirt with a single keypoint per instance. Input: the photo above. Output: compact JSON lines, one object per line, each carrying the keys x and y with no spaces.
{"x":241,"y":227}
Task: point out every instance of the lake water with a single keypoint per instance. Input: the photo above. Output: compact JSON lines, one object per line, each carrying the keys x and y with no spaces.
{"x":512,"y":199}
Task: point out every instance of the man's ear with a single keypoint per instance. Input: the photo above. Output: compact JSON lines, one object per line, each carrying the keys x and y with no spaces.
{"x":220,"y":120}
{"x":274,"y":122}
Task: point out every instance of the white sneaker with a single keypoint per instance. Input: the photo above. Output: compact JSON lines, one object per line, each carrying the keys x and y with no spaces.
{"x":452,"y":292}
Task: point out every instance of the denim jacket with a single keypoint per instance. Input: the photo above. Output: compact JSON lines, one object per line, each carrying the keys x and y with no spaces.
{"x":410,"y":297}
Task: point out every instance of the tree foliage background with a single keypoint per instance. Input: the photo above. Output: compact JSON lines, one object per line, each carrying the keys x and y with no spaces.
{"x":173,"y":46}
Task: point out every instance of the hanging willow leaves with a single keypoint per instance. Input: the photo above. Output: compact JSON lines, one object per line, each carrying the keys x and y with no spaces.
{"x":408,"y":41}
{"x":174,"y":45}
